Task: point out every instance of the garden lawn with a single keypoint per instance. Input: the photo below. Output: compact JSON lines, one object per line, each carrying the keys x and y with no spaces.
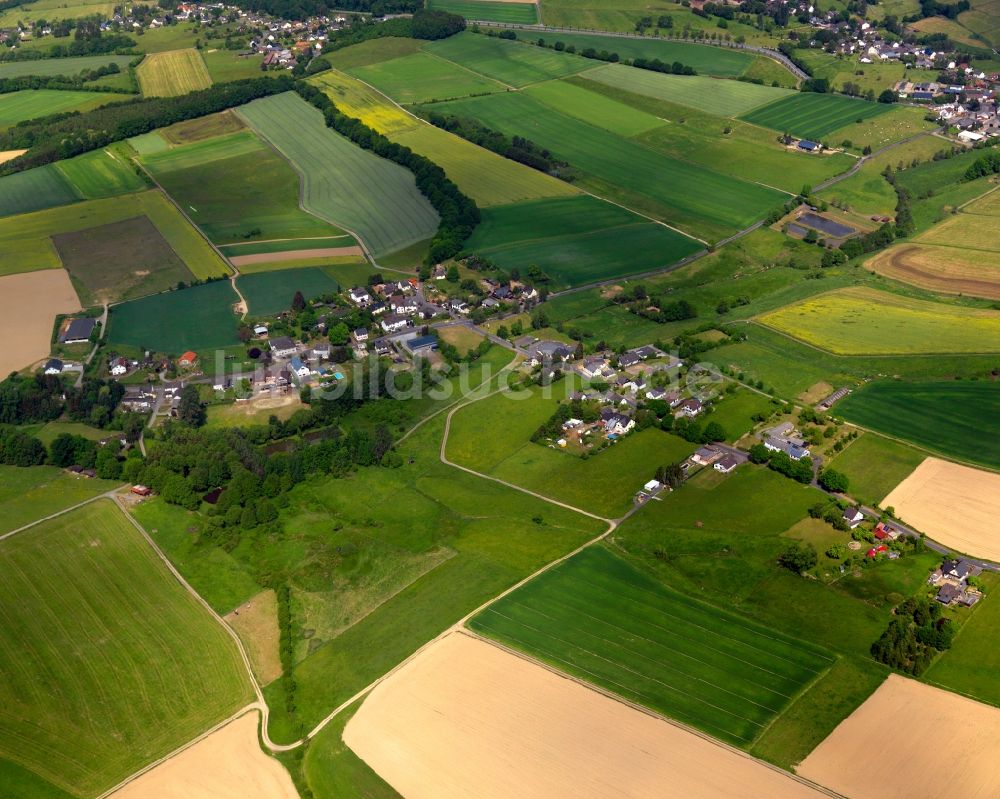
{"x":117,"y":664}
{"x":489,"y":10}
{"x":33,"y":103}
{"x":813,"y":116}
{"x":859,"y":321}
{"x":956,"y":419}
{"x":269,"y":293}
{"x":198,"y":318}
{"x":373,"y":198}
{"x":875,"y":465}
{"x":28,"y":493}
{"x":724,"y":98}
{"x":172,"y":73}
{"x":421,"y":78}
{"x":693,"y":198}
{"x":509,"y":62}
{"x":597,"y":617}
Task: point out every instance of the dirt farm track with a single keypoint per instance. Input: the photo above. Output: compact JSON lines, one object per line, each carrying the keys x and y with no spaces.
{"x":466,"y":719}
{"x":949,"y":270}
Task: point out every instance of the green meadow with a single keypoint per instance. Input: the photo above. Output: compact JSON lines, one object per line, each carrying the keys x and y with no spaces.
{"x":33,"y":103}
{"x":421,"y":78}
{"x":489,"y":10}
{"x":813,"y":116}
{"x":272,"y":292}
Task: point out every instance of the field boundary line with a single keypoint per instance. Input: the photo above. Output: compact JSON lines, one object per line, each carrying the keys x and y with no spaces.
{"x":470,"y":70}
{"x":270,"y":241}
{"x":652,"y":713}
{"x":107,"y":494}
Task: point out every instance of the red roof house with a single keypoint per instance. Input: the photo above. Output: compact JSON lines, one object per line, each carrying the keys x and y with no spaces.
{"x":188,"y":359}
{"x":874,"y":552}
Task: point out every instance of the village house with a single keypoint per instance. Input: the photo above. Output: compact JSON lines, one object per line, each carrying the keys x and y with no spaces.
{"x":704,"y":456}
{"x":616,"y":424}
{"x":299,"y":368}
{"x":394,"y":323}
{"x":260,"y":331}
{"x":382,"y":347}
{"x":118,"y":367}
{"x":282,"y":347}
{"x":359,"y":296}
{"x":690,"y":407}
{"x":726,"y":463}
{"x":78,"y":331}
{"x":780,"y":439}
{"x":853,"y":517}
{"x":399,"y":304}
{"x":322,"y":350}
{"x":53,"y":367}
{"x":548,"y":352}
{"x":952,"y":580}
{"x":595,"y":366}
{"x":187,"y":360}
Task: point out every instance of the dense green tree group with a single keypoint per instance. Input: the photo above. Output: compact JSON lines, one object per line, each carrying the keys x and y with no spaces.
{"x":914,"y":636}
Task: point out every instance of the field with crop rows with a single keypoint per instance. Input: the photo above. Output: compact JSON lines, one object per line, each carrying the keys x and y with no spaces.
{"x":367,"y":195}
{"x":198,"y":318}
{"x":724,"y":98}
{"x":512,"y":63}
{"x":421,"y":78}
{"x":489,"y":10}
{"x":960,"y":419}
{"x":101,"y":173}
{"x":34,"y":190}
{"x":948,"y":270}
{"x":172,"y":73}
{"x":862,"y":321}
{"x":52,"y":10}
{"x":598,"y":618}
{"x":813,"y":116}
{"x":24,"y":490}
{"x":32,"y":103}
{"x":61,"y":66}
{"x":116,"y":663}
{"x":695,"y":199}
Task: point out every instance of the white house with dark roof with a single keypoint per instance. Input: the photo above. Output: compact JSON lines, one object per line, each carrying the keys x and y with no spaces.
{"x":282,"y":347}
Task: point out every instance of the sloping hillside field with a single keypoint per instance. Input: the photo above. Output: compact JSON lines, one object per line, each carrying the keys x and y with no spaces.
{"x":813,"y":116}
{"x":369,"y":196}
{"x":108,"y":663}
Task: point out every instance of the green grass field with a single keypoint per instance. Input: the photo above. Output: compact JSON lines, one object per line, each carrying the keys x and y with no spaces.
{"x":576,"y":240}
{"x":198,"y":318}
{"x":724,"y":98}
{"x":201,"y":128}
{"x":227,"y":65}
{"x":422,"y":77}
{"x":813,"y":116}
{"x":489,"y":10}
{"x":34,"y":190}
{"x":697,"y":200}
{"x":960,"y":419}
{"x":26,"y":238}
{"x":271,"y":292}
{"x":602,"y":620}
{"x":735,"y":412}
{"x":575,"y":100}
{"x":55,"y":9}
{"x":61,"y":66}
{"x":101,"y":173}
{"x":862,"y":321}
{"x":511,"y":63}
{"x":369,"y":196}
{"x":23,"y":491}
{"x":237,"y":189}
{"x":172,"y":73}
{"x":116,"y":664}
{"x":875,"y":465}
{"x":33,"y":103}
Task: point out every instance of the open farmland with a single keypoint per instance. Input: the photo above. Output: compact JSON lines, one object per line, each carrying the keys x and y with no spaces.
{"x":272,"y":292}
{"x":576,"y":240}
{"x":34,"y":190}
{"x":953,"y":418}
{"x":61,"y":66}
{"x":860,"y":321}
{"x":813,"y":116}
{"x":228,"y":764}
{"x":197,"y":318}
{"x":953,"y":504}
{"x":486,"y":177}
{"x":517,"y":12}
{"x":29,"y":303}
{"x":202,"y":128}
{"x":724,"y":98}
{"x":116,"y":663}
{"x":972,"y":229}
{"x":101,"y":173}
{"x":511,"y":63}
{"x":434,"y":728}
{"x":699,"y":201}
{"x":24,"y":490}
{"x":172,"y":73}
{"x":367,"y":195}
{"x":921,"y":763}
{"x":947,"y":270}
{"x":52,"y":10}
{"x":599,"y":619}
{"x":237,"y":189}
{"x":421,"y":78}
{"x":32,"y":103}
{"x":875,"y":465}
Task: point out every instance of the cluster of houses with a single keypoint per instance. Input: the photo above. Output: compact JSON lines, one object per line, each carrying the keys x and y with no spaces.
{"x":783,"y":438}
{"x":723,"y":461}
{"x":952,"y":581}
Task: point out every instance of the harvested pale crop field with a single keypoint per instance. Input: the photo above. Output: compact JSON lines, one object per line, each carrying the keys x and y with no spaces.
{"x":370,"y":196}
{"x":293,"y":255}
{"x":10,"y":155}
{"x":172,"y":73}
{"x":466,"y":718}
{"x":948,"y":270}
{"x":955,"y":505}
{"x":256,"y":623}
{"x":863,"y":321}
{"x":971,"y":231}
{"x":228,"y":764}
{"x":29,"y":303}
{"x":893,"y":746}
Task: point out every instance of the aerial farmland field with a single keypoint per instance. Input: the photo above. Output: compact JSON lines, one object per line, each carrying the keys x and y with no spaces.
{"x":813,"y":116}
{"x":172,"y":73}
{"x":518,"y":12}
{"x":55,"y":9}
{"x":600,"y":619}
{"x":32,"y":103}
{"x":860,"y":321}
{"x":101,"y":173}
{"x":421,"y":78}
{"x":92,"y":612}
{"x":198,"y":318}
{"x":22,"y":490}
{"x":272,"y":292}
{"x":369,"y":196}
{"x":944,"y":269}
{"x":34,"y":190}
{"x":61,"y":66}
